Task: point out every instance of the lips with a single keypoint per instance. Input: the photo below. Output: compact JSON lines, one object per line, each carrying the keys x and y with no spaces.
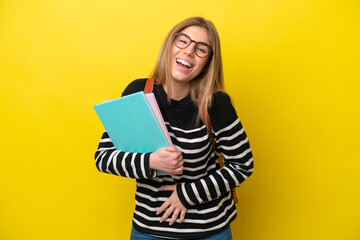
{"x":184,"y":63}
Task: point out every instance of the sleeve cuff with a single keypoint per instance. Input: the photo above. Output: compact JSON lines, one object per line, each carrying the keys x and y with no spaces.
{"x":149,"y":173}
{"x":179,"y":190}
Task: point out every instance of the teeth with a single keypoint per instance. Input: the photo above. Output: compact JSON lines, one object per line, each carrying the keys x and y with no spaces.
{"x":183,"y":62}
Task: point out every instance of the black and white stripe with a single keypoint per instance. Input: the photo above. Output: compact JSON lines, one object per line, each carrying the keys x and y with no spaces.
{"x":204,"y":188}
{"x":131,"y":165}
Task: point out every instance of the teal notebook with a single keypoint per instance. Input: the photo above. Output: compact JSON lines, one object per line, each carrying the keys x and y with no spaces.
{"x":131,"y":124}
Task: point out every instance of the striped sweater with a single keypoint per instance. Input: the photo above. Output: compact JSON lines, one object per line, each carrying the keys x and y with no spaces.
{"x":203,"y":188}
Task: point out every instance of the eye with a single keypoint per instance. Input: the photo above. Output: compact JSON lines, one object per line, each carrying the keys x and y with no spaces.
{"x":201,"y":49}
{"x":183,"y":41}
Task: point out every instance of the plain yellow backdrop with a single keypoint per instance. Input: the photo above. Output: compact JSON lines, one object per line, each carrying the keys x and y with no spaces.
{"x":291,"y":67}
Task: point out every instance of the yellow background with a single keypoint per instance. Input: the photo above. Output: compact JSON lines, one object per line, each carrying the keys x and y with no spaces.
{"x":291,"y":67}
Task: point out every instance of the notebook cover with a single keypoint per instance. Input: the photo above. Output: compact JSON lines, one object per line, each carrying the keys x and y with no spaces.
{"x":155,"y":107}
{"x":132,"y":124}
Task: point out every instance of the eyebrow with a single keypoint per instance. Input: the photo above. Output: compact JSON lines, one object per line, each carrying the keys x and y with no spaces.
{"x":195,"y":40}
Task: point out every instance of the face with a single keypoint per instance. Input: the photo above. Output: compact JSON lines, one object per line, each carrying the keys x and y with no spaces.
{"x":185,"y":64}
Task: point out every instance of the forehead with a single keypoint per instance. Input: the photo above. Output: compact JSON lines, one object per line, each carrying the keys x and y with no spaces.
{"x":196,"y":33}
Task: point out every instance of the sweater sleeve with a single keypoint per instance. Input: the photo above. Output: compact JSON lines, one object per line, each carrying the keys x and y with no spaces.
{"x":126,"y":164}
{"x":233,"y":144}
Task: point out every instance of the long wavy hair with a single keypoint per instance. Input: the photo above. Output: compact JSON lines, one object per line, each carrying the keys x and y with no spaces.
{"x":211,"y":78}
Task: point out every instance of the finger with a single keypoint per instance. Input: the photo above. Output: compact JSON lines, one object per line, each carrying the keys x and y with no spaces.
{"x":177,"y":150}
{"x":171,"y":149}
{"x":176,"y":170}
{"x":166,"y":214}
{"x":164,"y":206}
{"x":180,"y":164}
{"x":175,"y":158}
{"x":179,"y":170}
{"x":169,"y":187}
{"x":174,"y":217}
{"x":178,"y":155}
{"x":182,"y":216}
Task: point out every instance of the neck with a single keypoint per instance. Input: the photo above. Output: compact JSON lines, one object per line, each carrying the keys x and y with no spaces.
{"x":178,"y":90}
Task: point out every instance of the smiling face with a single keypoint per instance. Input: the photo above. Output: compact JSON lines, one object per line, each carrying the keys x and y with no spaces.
{"x":185,"y":64}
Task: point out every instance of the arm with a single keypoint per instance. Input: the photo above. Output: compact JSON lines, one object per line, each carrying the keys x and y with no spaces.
{"x":232,"y":142}
{"x":136,"y":165}
{"x":112,"y":161}
{"x":109,"y":160}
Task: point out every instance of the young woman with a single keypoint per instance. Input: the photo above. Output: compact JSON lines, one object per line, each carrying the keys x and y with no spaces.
{"x":194,"y":201}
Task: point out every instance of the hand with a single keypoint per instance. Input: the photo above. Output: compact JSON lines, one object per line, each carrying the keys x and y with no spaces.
{"x":167,"y":159}
{"x":172,"y":205}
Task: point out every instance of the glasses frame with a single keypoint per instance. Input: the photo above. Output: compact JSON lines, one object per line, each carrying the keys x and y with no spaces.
{"x":193,"y":41}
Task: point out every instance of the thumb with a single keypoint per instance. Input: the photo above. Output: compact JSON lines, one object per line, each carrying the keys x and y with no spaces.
{"x":171,"y":149}
{"x":168,"y":188}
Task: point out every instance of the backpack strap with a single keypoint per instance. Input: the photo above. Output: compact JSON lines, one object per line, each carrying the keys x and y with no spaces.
{"x":205,"y":119}
{"x":149,"y":85}
{"x":221,"y":158}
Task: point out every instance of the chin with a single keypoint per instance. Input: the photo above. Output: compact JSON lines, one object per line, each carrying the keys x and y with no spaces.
{"x":181,"y":78}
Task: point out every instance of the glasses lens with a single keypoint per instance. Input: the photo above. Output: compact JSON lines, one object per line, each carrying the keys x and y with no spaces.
{"x":202,"y":50}
{"x":182,"y":41}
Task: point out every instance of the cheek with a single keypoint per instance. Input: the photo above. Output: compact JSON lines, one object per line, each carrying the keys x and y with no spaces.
{"x":174,"y":50}
{"x":202,"y":65}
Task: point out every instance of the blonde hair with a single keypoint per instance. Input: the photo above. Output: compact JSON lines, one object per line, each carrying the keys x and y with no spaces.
{"x":209,"y":81}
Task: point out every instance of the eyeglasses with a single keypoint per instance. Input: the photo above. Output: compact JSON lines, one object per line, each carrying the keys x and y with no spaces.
{"x":183,"y":41}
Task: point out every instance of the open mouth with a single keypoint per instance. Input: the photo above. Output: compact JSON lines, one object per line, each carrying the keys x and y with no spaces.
{"x":184,"y":63}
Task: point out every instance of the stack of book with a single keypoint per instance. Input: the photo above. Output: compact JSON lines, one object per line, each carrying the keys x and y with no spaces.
{"x":134,"y":123}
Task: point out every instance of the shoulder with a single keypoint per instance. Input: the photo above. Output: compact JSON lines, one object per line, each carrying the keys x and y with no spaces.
{"x":222,"y":111}
{"x":221,"y":98}
{"x":135,"y":86}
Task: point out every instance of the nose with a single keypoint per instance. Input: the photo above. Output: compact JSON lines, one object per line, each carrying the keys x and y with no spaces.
{"x":190,"y":50}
